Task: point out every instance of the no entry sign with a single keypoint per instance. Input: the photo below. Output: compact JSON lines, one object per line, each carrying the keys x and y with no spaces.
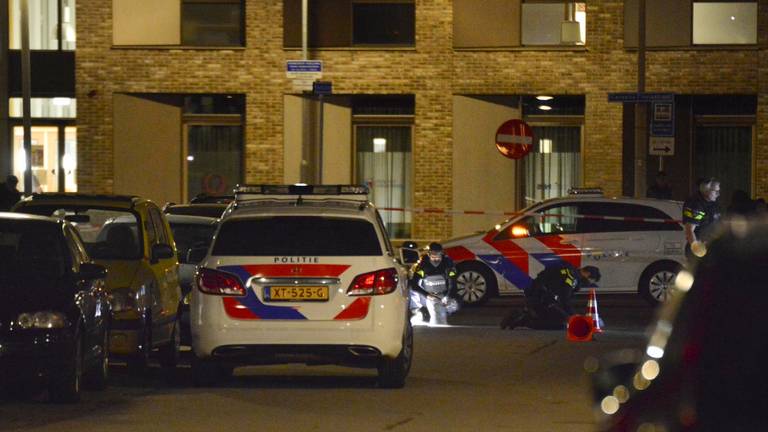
{"x":514,"y":139}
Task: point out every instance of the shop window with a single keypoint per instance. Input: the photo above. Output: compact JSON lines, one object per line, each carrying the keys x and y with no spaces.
{"x":51,"y":24}
{"x":724,"y":23}
{"x":383,"y":23}
{"x":212,"y":23}
{"x":553,"y":23}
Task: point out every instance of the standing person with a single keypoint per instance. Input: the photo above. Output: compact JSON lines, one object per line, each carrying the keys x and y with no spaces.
{"x":740,"y":205}
{"x":434,"y":267}
{"x":548,"y":300}
{"x":9,"y":195}
{"x":660,"y":188}
{"x":701,"y":213}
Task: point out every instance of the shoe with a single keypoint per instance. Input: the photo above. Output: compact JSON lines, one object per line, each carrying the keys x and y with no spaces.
{"x":511,"y":321}
{"x":424,"y":314}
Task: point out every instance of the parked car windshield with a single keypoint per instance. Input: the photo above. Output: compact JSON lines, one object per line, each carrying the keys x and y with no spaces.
{"x":31,"y":248}
{"x":107,"y":233}
{"x":297,"y":235}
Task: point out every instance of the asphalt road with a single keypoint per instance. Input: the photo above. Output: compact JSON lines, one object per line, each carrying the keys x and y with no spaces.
{"x":470,"y":376}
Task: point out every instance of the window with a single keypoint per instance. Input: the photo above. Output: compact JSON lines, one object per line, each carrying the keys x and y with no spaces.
{"x":297,"y":235}
{"x":621,"y":210}
{"x":346,"y":23}
{"x":724,"y":23}
{"x":217,"y":23}
{"x":51,"y":24}
{"x":686,"y":23}
{"x":212,"y":23}
{"x":383,"y":23}
{"x":558,"y":219}
{"x":553,"y":23}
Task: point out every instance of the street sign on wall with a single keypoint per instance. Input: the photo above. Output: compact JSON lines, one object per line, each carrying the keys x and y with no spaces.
{"x":661,"y":146}
{"x":514,"y":139}
{"x":303,"y":73}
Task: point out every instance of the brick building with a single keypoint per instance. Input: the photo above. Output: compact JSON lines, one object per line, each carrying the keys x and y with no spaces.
{"x":164,"y":87}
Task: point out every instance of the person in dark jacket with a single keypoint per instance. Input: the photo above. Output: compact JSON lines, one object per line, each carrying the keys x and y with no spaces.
{"x":433,"y":263}
{"x":9,"y":195}
{"x":548,"y":300}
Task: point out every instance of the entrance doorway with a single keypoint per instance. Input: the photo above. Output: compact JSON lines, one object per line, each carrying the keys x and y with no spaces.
{"x":724,"y":152}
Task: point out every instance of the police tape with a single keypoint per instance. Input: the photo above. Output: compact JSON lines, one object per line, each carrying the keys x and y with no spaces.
{"x":510,"y":214}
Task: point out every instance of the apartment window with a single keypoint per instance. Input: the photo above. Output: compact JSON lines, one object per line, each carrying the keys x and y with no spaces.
{"x":553,"y":23}
{"x":178,"y":22}
{"x":346,"y":23}
{"x":383,"y":23}
{"x":51,"y":24}
{"x":724,"y":23}
{"x":686,"y":23}
{"x":212,"y":22}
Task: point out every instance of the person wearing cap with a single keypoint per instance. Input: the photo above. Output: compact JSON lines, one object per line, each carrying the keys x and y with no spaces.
{"x":433,"y":263}
{"x":548,"y":299}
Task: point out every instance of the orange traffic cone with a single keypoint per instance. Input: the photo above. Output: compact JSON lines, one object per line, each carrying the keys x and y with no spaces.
{"x":592,"y":311}
{"x":580,"y":328}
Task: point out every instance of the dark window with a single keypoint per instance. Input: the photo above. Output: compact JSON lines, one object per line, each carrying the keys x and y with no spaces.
{"x":617,"y":210}
{"x":297,"y":235}
{"x":383,"y":23}
{"x":31,"y":248}
{"x":157,"y":220}
{"x":212,"y":210}
{"x":212,"y":23}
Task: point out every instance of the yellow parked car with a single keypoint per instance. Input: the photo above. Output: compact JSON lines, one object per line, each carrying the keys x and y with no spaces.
{"x":129,"y":236}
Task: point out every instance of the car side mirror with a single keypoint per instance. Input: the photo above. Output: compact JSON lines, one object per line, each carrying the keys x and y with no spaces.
{"x":91,"y":271}
{"x":196,"y":254}
{"x":161,"y":251}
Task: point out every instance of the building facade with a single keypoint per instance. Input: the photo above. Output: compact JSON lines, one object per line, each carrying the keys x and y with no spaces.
{"x":179,"y":97}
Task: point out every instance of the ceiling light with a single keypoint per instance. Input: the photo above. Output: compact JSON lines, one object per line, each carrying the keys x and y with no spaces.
{"x":61,"y":101}
{"x":545,"y":107}
{"x":544,"y":98}
{"x":379,"y":145}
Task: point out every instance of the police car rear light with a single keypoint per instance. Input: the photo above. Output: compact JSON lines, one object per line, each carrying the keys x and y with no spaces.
{"x":215,"y":282}
{"x":374,"y":283}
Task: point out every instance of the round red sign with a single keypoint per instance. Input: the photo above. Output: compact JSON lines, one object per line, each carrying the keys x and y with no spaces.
{"x":514,"y":139}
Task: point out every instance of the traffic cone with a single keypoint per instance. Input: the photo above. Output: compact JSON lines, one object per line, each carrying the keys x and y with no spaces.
{"x":592,"y":311}
{"x":580,"y":328}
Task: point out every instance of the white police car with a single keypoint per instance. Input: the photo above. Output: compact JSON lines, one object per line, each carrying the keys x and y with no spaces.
{"x":301,"y":274}
{"x":638,"y":245}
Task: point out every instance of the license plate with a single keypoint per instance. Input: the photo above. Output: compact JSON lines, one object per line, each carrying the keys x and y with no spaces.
{"x":296,"y":293}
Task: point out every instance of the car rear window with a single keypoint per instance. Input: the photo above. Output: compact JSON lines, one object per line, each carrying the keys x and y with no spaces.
{"x":297,"y":235}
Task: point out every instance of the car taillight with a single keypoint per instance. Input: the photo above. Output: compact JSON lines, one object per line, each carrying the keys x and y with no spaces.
{"x":374,"y":283}
{"x":215,"y":282}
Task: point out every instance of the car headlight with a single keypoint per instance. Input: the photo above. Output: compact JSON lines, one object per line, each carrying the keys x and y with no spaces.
{"x":42,"y":320}
{"x":123,"y":300}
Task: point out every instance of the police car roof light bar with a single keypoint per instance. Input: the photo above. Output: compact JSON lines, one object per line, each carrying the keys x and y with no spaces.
{"x":302,"y":189}
{"x":585,"y":191}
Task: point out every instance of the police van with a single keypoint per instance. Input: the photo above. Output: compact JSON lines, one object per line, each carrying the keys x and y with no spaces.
{"x":301,"y":274}
{"x":638,"y":245}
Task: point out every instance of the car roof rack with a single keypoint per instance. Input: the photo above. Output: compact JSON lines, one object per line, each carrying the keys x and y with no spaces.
{"x":300,"y":191}
{"x":593,"y":191}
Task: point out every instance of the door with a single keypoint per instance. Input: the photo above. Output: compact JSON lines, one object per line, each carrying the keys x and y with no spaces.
{"x":213,"y":159}
{"x":167,"y":275}
{"x":724,"y":152}
{"x":554,"y":165}
{"x":530,"y":244}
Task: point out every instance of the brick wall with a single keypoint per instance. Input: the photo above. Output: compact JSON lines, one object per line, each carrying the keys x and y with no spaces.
{"x":433,"y":72}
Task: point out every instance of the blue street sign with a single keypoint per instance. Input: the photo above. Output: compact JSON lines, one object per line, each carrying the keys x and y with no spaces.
{"x":641,"y":97}
{"x":304,"y":66}
{"x":322,"y":87}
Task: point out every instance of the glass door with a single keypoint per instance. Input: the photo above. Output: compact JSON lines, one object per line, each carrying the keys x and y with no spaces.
{"x":44,"y":158}
{"x":554,"y":165}
{"x":214,"y":159}
{"x":724,"y":152}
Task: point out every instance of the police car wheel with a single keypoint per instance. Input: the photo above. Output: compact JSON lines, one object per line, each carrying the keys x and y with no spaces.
{"x":657,"y":280}
{"x":475,"y":284}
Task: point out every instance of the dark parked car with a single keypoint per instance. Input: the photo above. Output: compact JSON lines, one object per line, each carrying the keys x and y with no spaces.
{"x":704,"y":367}
{"x":54,"y":313}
